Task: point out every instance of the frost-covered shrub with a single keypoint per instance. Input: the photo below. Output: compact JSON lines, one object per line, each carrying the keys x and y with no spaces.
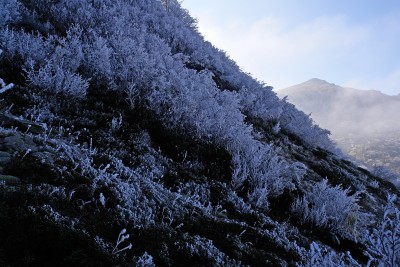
{"x":258,"y":197}
{"x":146,"y":260}
{"x":55,"y":79}
{"x":69,"y":50}
{"x":52,"y":68}
{"x":261,"y":102}
{"x":300,"y":124}
{"x":384,"y":242}
{"x":198,"y":195}
{"x":319,"y":256}
{"x":267,"y":173}
{"x":19,"y":45}
{"x":329,"y":207}
{"x":9,"y":12}
{"x":384,"y":173}
{"x":240,"y":170}
{"x":97,"y":57}
{"x":206,"y":249}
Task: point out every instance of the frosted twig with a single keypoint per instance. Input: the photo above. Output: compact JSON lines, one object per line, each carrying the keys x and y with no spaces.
{"x":5,"y":87}
{"x":121,"y":238}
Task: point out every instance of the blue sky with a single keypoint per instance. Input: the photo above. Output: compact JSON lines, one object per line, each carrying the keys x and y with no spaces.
{"x":352,"y":43}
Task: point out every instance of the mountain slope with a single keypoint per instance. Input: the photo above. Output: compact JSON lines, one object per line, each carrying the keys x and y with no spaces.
{"x":129,"y":140}
{"x":363,"y":123}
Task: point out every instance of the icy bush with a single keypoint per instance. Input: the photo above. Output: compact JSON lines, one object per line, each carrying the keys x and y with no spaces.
{"x":267,"y":173}
{"x":30,"y":48}
{"x":9,"y":12}
{"x":261,"y":102}
{"x":384,"y":242}
{"x":54,"y":72}
{"x":300,"y":124}
{"x":55,"y":79}
{"x":329,"y":207}
{"x":319,"y":256}
{"x":384,"y":173}
{"x":146,"y":260}
{"x":206,"y":249}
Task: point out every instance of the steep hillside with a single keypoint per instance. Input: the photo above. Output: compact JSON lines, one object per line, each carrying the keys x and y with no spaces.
{"x":126,"y":139}
{"x":363,"y":123}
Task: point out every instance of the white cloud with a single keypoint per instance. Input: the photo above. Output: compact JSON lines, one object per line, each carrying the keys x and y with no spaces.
{"x":328,"y":47}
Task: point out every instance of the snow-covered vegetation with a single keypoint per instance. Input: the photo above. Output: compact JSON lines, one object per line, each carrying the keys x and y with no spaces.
{"x":146,"y":57}
{"x":144,"y":129}
{"x":384,"y":242}
{"x":330,"y":207}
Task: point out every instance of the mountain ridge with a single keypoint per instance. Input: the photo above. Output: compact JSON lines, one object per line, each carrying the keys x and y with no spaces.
{"x":319,"y":84}
{"x":312,"y":96}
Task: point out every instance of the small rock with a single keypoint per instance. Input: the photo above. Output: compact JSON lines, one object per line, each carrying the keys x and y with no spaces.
{"x":9,"y":120}
{"x":4,"y":154}
{"x":14,"y":142}
{"x":4,"y":160}
{"x":13,"y":139}
{"x":9,"y":179}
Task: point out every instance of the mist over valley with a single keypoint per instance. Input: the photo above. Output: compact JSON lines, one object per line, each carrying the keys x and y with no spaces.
{"x":364,"y":123}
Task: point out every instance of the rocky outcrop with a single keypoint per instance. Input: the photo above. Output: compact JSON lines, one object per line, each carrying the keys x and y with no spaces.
{"x":10,"y":121}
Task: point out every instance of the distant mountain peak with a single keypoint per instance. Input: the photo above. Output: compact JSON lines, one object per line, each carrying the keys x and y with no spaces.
{"x":313,"y":85}
{"x":320,"y":82}
{"x":316,"y":80}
